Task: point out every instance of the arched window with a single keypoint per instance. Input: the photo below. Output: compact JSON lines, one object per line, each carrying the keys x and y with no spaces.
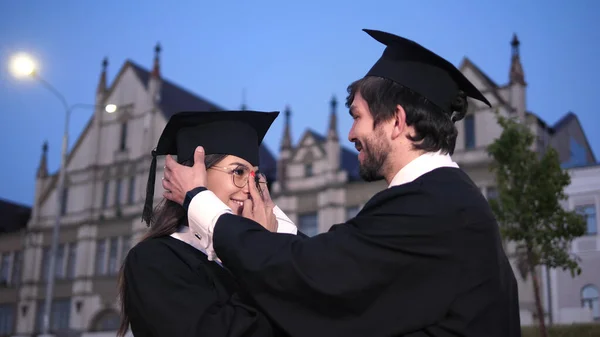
{"x":107,"y":320}
{"x":590,"y":299}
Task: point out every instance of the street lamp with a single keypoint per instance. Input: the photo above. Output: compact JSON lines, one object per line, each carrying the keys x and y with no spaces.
{"x":110,"y":108}
{"x":22,"y":65}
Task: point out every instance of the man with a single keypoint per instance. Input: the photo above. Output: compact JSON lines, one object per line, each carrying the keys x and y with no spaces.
{"x":422,"y":258}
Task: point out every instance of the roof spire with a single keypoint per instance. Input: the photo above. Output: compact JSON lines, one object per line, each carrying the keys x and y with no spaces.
{"x":332,"y":131}
{"x":156,"y":68}
{"x":286,"y":142}
{"x":515,"y":45}
{"x":42,"y":171}
{"x":516,"y":75}
{"x":102,"y":83}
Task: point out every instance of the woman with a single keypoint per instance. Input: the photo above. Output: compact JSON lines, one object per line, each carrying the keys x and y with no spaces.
{"x":167,"y":285}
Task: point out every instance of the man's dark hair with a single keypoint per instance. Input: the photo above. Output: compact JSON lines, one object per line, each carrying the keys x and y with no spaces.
{"x":434,"y":128}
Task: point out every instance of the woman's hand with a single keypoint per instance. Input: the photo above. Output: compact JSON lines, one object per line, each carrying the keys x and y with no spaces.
{"x":260,"y":205}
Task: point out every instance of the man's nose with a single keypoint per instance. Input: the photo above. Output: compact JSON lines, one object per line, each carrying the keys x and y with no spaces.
{"x":351,"y":136}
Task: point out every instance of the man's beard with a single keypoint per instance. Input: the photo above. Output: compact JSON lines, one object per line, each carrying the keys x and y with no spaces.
{"x":375,"y":156}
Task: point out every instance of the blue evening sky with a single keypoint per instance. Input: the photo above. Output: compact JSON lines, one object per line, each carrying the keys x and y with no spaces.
{"x":298,"y":53}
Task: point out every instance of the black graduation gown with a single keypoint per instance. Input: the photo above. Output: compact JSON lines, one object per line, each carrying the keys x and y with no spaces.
{"x":420,"y":259}
{"x":173,"y":290}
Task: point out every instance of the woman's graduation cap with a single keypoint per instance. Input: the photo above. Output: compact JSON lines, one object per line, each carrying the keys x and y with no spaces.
{"x":237,"y":133}
{"x":421,"y":70}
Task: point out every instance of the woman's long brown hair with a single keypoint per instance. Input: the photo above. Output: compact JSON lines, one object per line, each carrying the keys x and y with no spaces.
{"x":167,"y":216}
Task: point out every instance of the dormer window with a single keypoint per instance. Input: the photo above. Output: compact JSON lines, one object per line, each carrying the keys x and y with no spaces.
{"x":308,"y":170}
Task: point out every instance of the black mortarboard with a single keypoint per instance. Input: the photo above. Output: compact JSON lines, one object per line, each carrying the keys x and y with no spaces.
{"x":237,"y":133}
{"x":421,"y":70}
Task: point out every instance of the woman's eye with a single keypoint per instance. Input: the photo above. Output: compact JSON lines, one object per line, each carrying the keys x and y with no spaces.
{"x":239,"y":171}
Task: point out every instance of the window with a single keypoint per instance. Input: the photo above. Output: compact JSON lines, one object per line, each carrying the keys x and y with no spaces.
{"x":308,"y":224}
{"x":131,"y":190}
{"x":491,"y":193}
{"x":308,"y":170}
{"x":118,"y":192}
{"x":39,"y":315}
{"x":60,"y":314}
{"x":16,"y":268}
{"x":577,"y":155}
{"x":72,"y":260}
{"x":105,"y":193}
{"x":10,"y":268}
{"x":64,"y":200}
{"x":4,"y":268}
{"x":64,"y":264}
{"x":589,"y":299}
{"x":123,"y":142}
{"x":109,"y":254}
{"x":59,"y":264}
{"x":112,"y":255}
{"x":7,"y":319}
{"x":45,"y":263}
{"x":589,"y":212}
{"x":100,"y":256}
{"x":470,"y":131}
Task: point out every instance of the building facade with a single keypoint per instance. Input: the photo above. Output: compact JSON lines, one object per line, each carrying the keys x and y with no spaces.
{"x":316,"y":183}
{"x":577,"y":299}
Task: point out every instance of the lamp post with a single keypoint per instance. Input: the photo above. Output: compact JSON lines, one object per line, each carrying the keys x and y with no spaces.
{"x":24,"y":66}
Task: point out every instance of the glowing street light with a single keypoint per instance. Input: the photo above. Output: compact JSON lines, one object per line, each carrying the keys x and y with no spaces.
{"x":22,"y":65}
{"x":110,"y":108}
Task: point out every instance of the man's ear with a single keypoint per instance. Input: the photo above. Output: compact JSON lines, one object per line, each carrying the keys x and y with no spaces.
{"x":399,"y":120}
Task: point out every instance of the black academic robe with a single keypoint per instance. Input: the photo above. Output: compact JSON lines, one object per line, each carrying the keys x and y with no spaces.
{"x":173,"y":290}
{"x":420,"y":259}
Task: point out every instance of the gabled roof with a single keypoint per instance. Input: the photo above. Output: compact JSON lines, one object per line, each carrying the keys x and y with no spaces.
{"x":466,"y":62}
{"x":309,"y":133}
{"x":567,"y":119}
{"x":14,"y":216}
{"x":318,"y":137}
{"x":348,"y":157}
{"x":493,"y":86}
{"x":564,"y":121}
{"x":174,"y":98}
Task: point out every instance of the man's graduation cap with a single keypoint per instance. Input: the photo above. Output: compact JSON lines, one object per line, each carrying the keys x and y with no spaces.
{"x":421,"y":70}
{"x":237,"y":133}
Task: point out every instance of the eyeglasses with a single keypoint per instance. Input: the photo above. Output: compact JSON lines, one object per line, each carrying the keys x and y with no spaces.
{"x":239,"y":175}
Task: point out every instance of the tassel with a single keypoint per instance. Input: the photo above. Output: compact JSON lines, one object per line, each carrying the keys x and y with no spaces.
{"x":147,"y":213}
